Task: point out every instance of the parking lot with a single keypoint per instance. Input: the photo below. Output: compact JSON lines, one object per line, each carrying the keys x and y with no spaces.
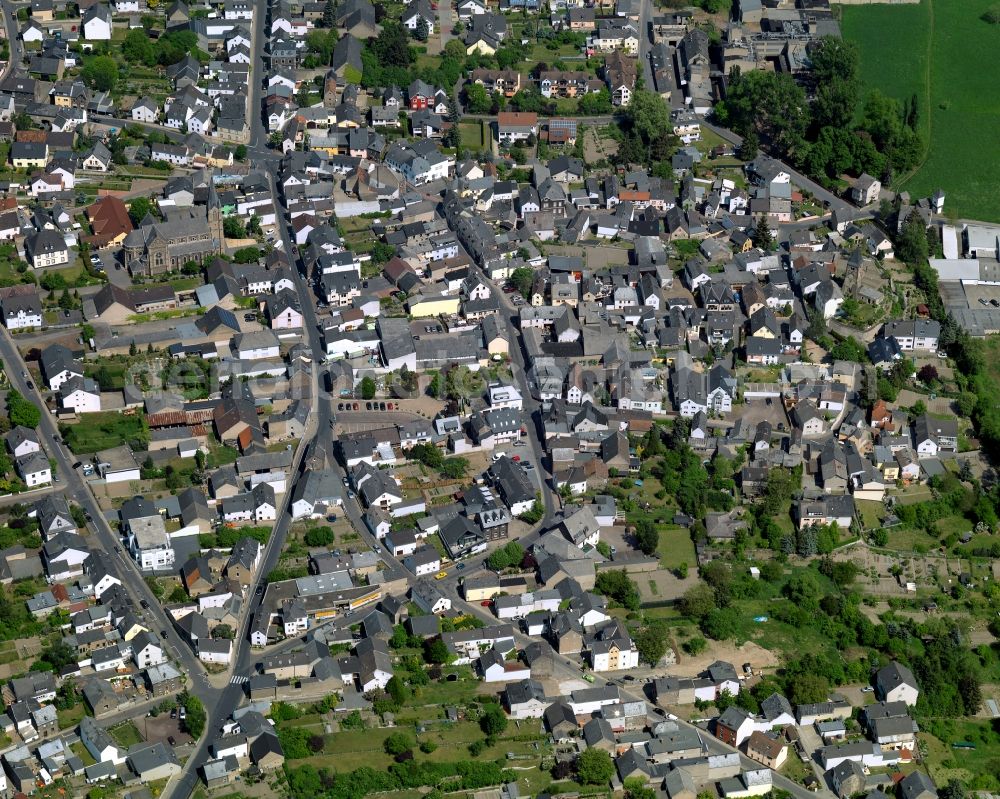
{"x":421,"y":327}
{"x":982,"y":296}
{"x":758,"y":410}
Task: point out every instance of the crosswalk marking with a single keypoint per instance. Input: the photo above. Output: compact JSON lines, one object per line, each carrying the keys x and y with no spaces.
{"x":237,"y":679}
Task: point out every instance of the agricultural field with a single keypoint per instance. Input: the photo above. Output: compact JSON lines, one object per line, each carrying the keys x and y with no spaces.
{"x":942,"y":52}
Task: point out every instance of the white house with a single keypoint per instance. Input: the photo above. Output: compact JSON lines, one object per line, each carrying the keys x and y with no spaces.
{"x":22,"y":441}
{"x":145,"y":110}
{"x":215,"y":650}
{"x":896,"y":683}
{"x":423,"y":561}
{"x":257,"y":345}
{"x":81,"y":394}
{"x":22,"y":311}
{"x":34,"y":469}
{"x":146,"y":651}
{"x":100,"y":744}
{"x":97,"y":23}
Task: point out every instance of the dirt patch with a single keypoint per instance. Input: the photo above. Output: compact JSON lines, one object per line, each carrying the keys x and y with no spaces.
{"x":597,"y":147}
{"x":749,"y":652}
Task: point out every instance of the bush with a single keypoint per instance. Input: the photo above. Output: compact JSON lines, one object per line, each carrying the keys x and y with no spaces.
{"x":695,"y":646}
{"x":397,"y":743}
{"x":493,"y":721}
{"x":319,"y":537}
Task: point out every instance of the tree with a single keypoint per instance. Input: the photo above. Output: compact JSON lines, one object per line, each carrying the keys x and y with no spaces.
{"x":507,"y":556}
{"x":139,"y":209}
{"x":454,"y":468}
{"x":493,"y":721}
{"x":648,"y":114}
{"x":928,"y":373}
{"x":396,"y":688}
{"x":232,"y":228}
{"x":195,"y":716}
{"x":392,"y":48}
{"x":100,"y":72}
{"x":720,"y":624}
{"x":635,"y":788}
{"x":966,"y":403}
{"x":137,"y":48}
{"x":651,"y":643}
{"x":834,"y":63}
{"x":848,"y":349}
{"x":646,"y":536}
{"x":477,"y":99}
{"x":698,"y":601}
{"x":436,"y":651}
{"x":522,"y":279}
{"x":618,"y":586}
{"x":329,"y":14}
{"x":747,"y":151}
{"x":761,"y":234}
{"x":594,"y":767}
{"x":911,"y":243}
{"x":319,"y":537}
{"x":771,"y":104}
{"x":367,"y":387}
{"x":695,"y":646}
{"x":397,"y":743}
{"x":21,"y":411}
{"x":240,"y":152}
{"x":223,"y":632}
{"x":422,"y":31}
{"x":246,"y":255}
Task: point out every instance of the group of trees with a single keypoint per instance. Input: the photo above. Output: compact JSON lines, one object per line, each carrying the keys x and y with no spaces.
{"x":308,"y":782}
{"x":682,"y":475}
{"x":822,"y":137}
{"x":21,"y":411}
{"x":433,"y":458}
{"x":171,"y":47}
{"x":618,"y":587}
{"x":508,"y":556}
{"x":648,"y":137}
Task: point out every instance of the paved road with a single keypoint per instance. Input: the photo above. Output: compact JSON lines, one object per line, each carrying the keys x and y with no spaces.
{"x":231,"y":696}
{"x":16,"y":45}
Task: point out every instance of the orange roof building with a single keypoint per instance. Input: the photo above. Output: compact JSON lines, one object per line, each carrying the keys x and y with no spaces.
{"x":111,"y":223}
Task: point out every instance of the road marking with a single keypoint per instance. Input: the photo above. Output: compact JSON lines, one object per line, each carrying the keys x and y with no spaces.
{"x":237,"y":679}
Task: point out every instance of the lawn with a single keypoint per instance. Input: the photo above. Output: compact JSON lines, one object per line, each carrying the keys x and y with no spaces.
{"x":70,"y":717}
{"x":97,"y":431}
{"x":676,"y":547}
{"x":126,"y":734}
{"x":351,"y":749}
{"x":471,"y":135}
{"x":942,"y":52}
{"x":908,"y":539}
